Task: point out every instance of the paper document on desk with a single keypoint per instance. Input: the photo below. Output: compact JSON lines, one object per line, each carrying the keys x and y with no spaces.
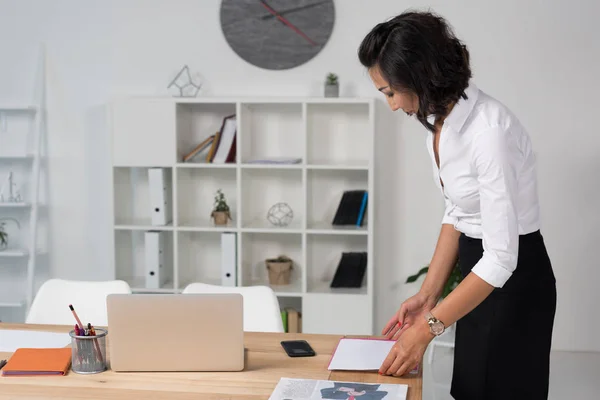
{"x":11,"y":340}
{"x":308,"y":389}
{"x":360,"y":354}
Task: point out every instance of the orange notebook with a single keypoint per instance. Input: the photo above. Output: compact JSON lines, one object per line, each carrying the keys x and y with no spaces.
{"x":25,"y":362}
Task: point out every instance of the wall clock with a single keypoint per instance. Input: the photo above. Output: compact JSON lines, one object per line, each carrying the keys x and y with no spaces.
{"x":277,"y":34}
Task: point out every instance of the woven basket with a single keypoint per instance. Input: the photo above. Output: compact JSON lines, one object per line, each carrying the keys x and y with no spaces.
{"x":280,"y":270}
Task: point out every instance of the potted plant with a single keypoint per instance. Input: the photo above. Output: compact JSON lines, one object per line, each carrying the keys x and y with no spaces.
{"x":453,"y":280}
{"x":280,"y":270}
{"x":221,"y":213}
{"x":3,"y":233}
{"x":332,"y":88}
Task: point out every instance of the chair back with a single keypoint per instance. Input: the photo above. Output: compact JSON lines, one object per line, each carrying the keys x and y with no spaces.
{"x":51,"y":302}
{"x":261,"y":306}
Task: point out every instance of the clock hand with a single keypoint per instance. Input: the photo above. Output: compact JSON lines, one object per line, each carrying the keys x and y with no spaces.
{"x":288,"y":23}
{"x":290,"y":10}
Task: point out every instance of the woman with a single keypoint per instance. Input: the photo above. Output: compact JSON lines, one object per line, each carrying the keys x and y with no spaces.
{"x":484,"y":166}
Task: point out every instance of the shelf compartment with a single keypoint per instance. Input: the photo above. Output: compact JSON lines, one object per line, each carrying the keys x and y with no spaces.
{"x":130,"y":261}
{"x":271,"y":130}
{"x":17,"y":128}
{"x":132,"y":203}
{"x":258,"y":247}
{"x":195,"y":123}
{"x":339,"y":134}
{"x":325,"y":189}
{"x":199,"y":258}
{"x":263,"y":188}
{"x":323,"y":256}
{"x":21,"y":182}
{"x":196,"y":191}
{"x":12,"y":289}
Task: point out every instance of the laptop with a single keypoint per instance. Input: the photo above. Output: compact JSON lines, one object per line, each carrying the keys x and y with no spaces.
{"x":175,"y":332}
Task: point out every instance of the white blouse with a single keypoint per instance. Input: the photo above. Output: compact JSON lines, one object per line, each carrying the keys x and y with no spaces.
{"x":487,"y":167}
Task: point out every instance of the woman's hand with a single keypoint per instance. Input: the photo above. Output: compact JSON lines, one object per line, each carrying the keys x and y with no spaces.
{"x":408,"y":350}
{"x":412,"y":311}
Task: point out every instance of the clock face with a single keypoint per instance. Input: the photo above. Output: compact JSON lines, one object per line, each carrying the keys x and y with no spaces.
{"x":277,"y":34}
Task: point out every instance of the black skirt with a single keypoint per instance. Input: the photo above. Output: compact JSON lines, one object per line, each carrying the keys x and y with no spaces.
{"x":502,"y":348}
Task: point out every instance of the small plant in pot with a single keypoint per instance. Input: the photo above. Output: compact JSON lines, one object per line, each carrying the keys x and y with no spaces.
{"x":221,"y":213}
{"x":3,"y":233}
{"x":332,"y":88}
{"x":280,"y":270}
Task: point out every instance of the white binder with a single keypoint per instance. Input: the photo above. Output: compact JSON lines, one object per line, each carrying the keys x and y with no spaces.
{"x":156,"y":271}
{"x":228,"y":259}
{"x":160,"y":196}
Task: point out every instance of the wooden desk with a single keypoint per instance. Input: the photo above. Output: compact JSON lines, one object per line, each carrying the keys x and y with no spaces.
{"x":266,"y":362}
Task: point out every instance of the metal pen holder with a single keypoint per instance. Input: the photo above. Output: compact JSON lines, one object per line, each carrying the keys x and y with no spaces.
{"x":88,"y":353}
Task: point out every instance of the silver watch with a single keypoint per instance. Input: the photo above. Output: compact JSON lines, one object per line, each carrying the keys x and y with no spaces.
{"x":435,"y":325}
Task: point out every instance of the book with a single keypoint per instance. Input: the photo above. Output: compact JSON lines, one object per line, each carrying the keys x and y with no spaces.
{"x":293,"y":320}
{"x":226,"y":147}
{"x":351,"y":270}
{"x":312,"y":389}
{"x":43,"y":361}
{"x":198,"y":149}
{"x":351,"y":209}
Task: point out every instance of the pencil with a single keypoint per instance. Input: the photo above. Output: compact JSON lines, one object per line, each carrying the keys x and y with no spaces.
{"x":96,"y":344}
{"x":76,"y":317}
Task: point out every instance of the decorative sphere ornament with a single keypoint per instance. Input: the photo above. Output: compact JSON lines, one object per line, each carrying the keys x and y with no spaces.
{"x":280,"y":214}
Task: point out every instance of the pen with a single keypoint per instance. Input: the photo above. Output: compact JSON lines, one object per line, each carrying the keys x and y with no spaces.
{"x":2,"y":364}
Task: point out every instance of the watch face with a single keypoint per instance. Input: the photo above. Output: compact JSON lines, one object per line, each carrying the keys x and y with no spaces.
{"x":437,"y":328}
{"x":277,"y":34}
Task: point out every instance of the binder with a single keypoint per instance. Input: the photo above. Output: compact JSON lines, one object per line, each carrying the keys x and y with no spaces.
{"x":228,"y":259}
{"x":160,"y":199}
{"x":156,"y":274}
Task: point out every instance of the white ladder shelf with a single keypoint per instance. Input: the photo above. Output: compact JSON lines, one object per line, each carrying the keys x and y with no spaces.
{"x":28,"y":248}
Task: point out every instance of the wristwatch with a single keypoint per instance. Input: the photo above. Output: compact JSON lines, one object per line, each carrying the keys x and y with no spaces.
{"x":435,"y":325}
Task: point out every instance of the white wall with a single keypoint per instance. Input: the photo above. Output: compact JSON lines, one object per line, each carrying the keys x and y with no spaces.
{"x":540,"y":58}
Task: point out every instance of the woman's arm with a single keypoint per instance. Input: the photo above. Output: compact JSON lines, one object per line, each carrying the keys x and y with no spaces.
{"x":443,"y":260}
{"x":464,"y":298}
{"x":414,"y":309}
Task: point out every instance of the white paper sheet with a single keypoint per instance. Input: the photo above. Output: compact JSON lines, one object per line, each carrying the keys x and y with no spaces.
{"x":11,"y":340}
{"x":308,"y":389}
{"x":360,"y":354}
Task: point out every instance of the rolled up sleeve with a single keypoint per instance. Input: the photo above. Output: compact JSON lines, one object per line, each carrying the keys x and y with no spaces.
{"x":496,"y":162}
{"x":448,"y":218}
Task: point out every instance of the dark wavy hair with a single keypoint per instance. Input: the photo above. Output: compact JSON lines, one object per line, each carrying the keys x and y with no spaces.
{"x":418,"y":52}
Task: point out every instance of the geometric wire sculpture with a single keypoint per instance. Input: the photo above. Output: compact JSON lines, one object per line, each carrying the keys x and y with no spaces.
{"x":185,"y":84}
{"x":280,"y":214}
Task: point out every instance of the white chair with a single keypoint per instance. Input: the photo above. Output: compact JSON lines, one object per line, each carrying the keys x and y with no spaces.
{"x":261,"y":307}
{"x":51,"y":303}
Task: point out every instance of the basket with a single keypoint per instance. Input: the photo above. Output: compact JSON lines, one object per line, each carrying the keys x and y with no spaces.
{"x":280,"y":270}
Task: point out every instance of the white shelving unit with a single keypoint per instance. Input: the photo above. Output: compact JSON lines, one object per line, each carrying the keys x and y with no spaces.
{"x":20,"y":141}
{"x":334,"y":139}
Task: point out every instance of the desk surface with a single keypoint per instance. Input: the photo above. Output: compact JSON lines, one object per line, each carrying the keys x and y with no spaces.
{"x":266,"y":363}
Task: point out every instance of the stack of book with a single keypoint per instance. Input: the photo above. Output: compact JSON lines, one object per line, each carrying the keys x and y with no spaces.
{"x":292,"y":320}
{"x":352,"y":207}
